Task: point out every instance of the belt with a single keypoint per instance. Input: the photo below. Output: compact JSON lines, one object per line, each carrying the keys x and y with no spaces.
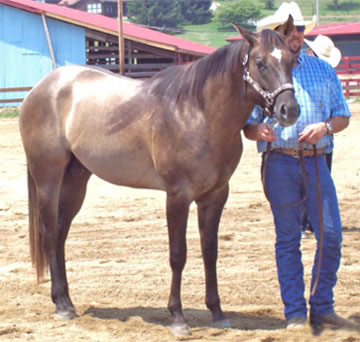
{"x":296,"y":152}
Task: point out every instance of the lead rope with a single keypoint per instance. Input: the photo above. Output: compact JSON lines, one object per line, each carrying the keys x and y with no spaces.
{"x":318,"y":190}
{"x":321,"y":224}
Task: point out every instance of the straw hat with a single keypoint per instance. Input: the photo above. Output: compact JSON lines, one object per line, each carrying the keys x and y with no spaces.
{"x":282,"y":15}
{"x":325,"y":49}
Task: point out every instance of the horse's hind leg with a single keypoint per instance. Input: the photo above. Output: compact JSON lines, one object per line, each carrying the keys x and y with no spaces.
{"x":72,"y":195}
{"x":56,"y":191}
{"x":209,"y":214}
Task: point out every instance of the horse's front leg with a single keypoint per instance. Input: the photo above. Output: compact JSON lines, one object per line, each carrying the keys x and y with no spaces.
{"x":209,"y":213}
{"x":177,"y":211}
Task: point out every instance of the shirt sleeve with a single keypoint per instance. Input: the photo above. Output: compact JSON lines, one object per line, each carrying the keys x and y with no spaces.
{"x":256,"y":116}
{"x":338,"y":105}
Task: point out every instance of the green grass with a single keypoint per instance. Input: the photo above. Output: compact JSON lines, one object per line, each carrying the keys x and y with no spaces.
{"x":9,"y":113}
{"x":209,"y":34}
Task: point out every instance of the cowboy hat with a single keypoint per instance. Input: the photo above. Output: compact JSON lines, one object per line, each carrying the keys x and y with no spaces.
{"x":325,"y":49}
{"x":282,"y":14}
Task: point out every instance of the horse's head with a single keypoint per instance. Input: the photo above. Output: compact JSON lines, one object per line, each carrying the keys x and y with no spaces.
{"x":268,"y":64}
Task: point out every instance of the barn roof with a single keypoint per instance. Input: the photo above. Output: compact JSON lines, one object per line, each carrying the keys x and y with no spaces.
{"x":349,"y":28}
{"x":110,"y":25}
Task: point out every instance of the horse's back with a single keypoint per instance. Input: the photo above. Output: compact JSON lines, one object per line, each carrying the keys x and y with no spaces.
{"x":52,"y":102}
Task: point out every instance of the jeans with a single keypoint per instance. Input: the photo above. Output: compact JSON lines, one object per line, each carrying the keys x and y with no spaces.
{"x":306,"y":225}
{"x":285,"y":185}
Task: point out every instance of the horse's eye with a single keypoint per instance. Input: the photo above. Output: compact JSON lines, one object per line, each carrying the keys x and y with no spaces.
{"x":260,"y":63}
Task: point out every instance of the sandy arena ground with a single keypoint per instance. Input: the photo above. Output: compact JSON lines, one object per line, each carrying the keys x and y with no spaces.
{"x":117,"y":259}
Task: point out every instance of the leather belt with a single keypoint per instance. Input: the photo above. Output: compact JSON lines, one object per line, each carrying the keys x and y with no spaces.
{"x":296,"y":153}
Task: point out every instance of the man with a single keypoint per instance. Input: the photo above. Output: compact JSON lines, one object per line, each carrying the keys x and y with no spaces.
{"x":323,"y":111}
{"x":323,"y":48}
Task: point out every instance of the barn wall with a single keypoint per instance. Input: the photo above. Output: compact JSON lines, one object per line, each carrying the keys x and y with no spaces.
{"x":25,"y":57}
{"x":349,"y":45}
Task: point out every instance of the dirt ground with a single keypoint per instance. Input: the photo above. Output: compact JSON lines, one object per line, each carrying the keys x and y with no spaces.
{"x":117,"y":259}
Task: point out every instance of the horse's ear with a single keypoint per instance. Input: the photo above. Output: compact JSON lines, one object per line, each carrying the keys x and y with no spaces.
{"x":287,"y":27}
{"x":247,"y":34}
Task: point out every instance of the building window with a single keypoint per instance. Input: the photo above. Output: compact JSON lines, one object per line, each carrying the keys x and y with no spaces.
{"x":94,"y":8}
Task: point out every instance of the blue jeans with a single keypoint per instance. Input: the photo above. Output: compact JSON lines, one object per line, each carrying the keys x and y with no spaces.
{"x":285,"y":185}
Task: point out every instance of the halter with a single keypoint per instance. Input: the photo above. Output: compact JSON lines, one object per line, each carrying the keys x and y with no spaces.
{"x":266,"y":95}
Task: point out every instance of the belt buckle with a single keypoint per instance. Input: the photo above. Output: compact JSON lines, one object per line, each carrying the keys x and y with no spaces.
{"x":295,"y":153}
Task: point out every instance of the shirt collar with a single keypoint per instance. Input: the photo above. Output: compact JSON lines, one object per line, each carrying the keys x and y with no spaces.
{"x":300,"y":59}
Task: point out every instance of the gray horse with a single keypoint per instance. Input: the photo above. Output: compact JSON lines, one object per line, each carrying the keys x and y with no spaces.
{"x":178,"y":132}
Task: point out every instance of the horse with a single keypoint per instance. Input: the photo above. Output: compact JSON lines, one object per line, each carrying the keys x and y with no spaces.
{"x":179,"y":132}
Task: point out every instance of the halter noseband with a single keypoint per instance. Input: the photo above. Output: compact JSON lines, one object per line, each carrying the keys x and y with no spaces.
{"x":267,"y":96}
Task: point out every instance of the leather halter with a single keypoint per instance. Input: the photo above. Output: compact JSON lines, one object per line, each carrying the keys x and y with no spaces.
{"x":269,"y":97}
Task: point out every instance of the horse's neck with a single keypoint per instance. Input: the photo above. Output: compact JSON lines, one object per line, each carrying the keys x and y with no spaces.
{"x":228,"y":103}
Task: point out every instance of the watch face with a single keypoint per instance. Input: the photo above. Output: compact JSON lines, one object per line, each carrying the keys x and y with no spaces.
{"x":329,"y":127}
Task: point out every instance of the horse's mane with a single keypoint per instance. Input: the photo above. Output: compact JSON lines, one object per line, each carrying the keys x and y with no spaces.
{"x":182,"y":81}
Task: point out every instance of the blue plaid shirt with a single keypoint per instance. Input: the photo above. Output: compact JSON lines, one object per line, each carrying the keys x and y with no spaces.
{"x":319,"y":95}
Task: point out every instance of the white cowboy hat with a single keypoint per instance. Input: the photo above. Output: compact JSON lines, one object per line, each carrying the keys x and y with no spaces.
{"x":325,"y":49}
{"x":282,"y":15}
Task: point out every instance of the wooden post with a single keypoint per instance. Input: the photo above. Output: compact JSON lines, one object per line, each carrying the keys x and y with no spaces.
{"x":121,"y":38}
{"x":48,"y":39}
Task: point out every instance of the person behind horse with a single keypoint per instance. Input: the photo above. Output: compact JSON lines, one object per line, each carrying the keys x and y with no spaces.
{"x":323,"y":48}
{"x":323,"y":111}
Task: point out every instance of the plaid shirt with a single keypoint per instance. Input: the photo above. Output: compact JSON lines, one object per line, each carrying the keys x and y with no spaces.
{"x":319,"y":95}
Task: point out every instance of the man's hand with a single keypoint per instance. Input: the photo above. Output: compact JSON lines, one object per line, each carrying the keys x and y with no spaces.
{"x":313,"y":133}
{"x":260,"y":131}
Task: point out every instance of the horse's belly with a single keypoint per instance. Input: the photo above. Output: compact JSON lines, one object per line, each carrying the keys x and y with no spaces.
{"x":132,"y":172}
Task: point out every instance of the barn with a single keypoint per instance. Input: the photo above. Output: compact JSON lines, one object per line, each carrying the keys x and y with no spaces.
{"x":37,"y":37}
{"x":346,"y":36}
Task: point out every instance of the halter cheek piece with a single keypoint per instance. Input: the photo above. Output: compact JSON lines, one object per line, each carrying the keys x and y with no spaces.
{"x":267,"y":96}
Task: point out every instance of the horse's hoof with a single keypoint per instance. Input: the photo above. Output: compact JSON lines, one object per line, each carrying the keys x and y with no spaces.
{"x":65,"y":315}
{"x":223,"y":324}
{"x":180,"y":330}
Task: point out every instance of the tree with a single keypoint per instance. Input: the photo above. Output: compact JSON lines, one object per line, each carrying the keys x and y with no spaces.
{"x":336,"y":4}
{"x":241,"y":12}
{"x":155,"y":13}
{"x":269,"y":4}
{"x":196,"y":11}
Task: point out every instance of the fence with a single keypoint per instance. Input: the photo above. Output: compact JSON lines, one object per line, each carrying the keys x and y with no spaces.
{"x":347,"y":70}
{"x":349,"y":66}
{"x":12,"y":90}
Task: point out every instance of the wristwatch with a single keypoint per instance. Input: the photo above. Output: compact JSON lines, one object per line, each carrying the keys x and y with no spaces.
{"x":329,"y":127}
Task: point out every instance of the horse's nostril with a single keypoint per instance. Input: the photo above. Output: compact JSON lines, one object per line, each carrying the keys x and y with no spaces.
{"x":283,"y":110}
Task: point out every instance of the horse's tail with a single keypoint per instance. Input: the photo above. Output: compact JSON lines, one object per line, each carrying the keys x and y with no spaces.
{"x":37,"y":250}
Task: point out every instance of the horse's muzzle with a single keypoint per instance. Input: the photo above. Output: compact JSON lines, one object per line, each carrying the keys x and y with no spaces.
{"x":286,"y":109}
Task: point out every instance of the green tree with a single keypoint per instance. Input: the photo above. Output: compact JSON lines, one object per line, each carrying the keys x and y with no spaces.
{"x":155,"y":13}
{"x":241,"y":12}
{"x":196,"y":11}
{"x":269,"y":4}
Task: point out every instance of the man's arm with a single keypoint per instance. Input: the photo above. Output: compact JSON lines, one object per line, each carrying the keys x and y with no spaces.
{"x":313,"y":133}
{"x":259,"y":131}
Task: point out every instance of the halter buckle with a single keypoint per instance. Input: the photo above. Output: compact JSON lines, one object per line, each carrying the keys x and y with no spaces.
{"x":269,"y":98}
{"x":246,"y":58}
